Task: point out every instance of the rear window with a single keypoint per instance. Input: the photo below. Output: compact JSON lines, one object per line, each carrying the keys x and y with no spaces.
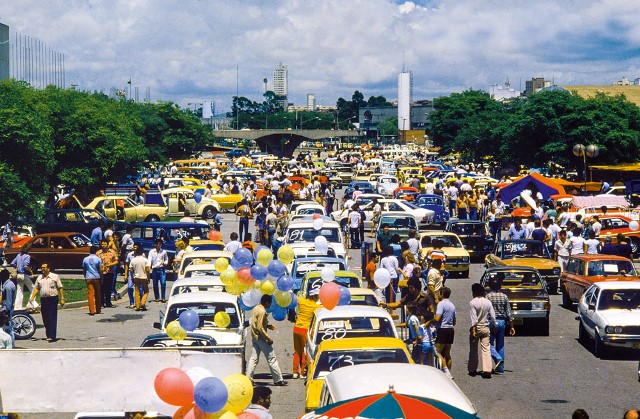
{"x":301,"y":268}
{"x":349,"y":282}
{"x":332,"y":360}
{"x":206,"y":311}
{"x":354,"y":327}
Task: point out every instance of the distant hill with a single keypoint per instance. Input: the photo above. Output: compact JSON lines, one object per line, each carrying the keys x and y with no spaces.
{"x":632,"y":93}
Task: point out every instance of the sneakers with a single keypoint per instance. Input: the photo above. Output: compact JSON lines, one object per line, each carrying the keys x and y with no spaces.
{"x":280,"y":383}
{"x":485,"y":375}
{"x":296,"y":376}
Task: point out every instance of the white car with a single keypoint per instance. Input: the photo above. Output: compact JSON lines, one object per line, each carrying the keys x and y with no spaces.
{"x":387,"y":184}
{"x":200,"y":257}
{"x":609,"y":313}
{"x":424,"y":217}
{"x":180,"y":199}
{"x":196,"y":284}
{"x":300,"y":235}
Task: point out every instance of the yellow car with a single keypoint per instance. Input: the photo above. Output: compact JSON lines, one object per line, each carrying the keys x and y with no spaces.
{"x":458,"y":258}
{"x":227,"y":202}
{"x":122,"y":208}
{"x":337,"y":353}
{"x":314,"y":280}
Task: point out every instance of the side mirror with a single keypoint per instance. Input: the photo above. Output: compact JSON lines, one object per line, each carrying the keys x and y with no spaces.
{"x":156,"y":325}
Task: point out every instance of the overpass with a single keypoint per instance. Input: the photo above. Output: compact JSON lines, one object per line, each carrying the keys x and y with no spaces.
{"x":283,"y":142}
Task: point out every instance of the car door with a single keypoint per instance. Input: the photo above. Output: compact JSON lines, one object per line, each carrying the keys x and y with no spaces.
{"x":64,"y":254}
{"x":40,"y":252}
{"x":130,"y":210}
{"x":589,"y":316}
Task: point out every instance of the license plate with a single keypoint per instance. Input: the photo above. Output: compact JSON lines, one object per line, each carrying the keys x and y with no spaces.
{"x":518,"y":321}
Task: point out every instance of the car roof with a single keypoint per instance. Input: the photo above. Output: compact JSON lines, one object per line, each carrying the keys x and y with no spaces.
{"x":361,"y":343}
{"x":618,"y":285}
{"x":338,"y":273}
{"x":200,"y":267}
{"x":205,"y":297}
{"x":198,"y":280}
{"x":208,"y":253}
{"x":351,"y":311}
{"x":589,"y":258}
{"x":309,"y":223}
{"x":167,"y":224}
{"x":466,"y":221}
{"x":319,"y":259}
{"x":396,"y":214}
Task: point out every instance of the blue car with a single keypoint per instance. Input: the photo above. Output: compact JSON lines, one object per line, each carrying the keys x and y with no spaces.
{"x":436,"y":204}
{"x":235,"y":153}
{"x":363,"y":186}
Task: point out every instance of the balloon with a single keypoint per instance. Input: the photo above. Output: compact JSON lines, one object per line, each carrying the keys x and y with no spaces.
{"x":228,"y":276}
{"x":278,"y":313}
{"x":214,"y":235}
{"x":244,"y":256}
{"x":240,"y":392}
{"x":162,"y":407}
{"x":258,"y":249}
{"x":224,"y":414}
{"x":329,"y":295}
{"x":318,"y":223}
{"x":243,"y":306}
{"x":210,"y":394}
{"x":321,"y":244}
{"x":381,"y":277}
{"x":175,"y":331}
{"x":267,"y":287}
{"x":197,"y":413}
{"x":294,"y":302}
{"x":345,"y":296}
{"x":222,"y":319}
{"x":182,"y":412}
{"x":197,"y":374}
{"x":235,"y":264}
{"x":189,"y":320}
{"x":197,"y":197}
{"x":316,"y":216}
{"x":244,"y":276}
{"x":221,"y":264}
{"x":276,"y":268}
{"x":265,"y":256}
{"x":234,"y":288}
{"x":327,"y":274}
{"x":283,"y":298}
{"x":248,"y":415}
{"x":285,"y":283}
{"x":258,"y":272}
{"x":251,"y":297}
{"x":285,"y":254}
{"x":174,"y":386}
{"x":633,"y":225}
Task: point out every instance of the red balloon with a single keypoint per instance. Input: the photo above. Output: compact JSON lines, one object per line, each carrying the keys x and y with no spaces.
{"x":214,"y":235}
{"x":183,"y":411}
{"x":196,"y":413}
{"x":244,"y":276}
{"x":248,"y":415}
{"x":329,"y":295}
{"x":174,"y":387}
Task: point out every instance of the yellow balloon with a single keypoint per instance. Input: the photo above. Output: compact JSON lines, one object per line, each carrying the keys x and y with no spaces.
{"x":234,"y":288}
{"x":264,"y":257}
{"x":224,"y":414}
{"x":283,"y":298}
{"x":240,"y":392}
{"x":222,"y":319}
{"x":221,"y":264}
{"x":228,"y":276}
{"x":267,"y":287}
{"x":285,"y":254}
{"x":175,"y":331}
{"x":244,"y":287}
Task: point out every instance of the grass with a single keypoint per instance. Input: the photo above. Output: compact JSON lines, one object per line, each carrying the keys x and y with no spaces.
{"x":74,"y":290}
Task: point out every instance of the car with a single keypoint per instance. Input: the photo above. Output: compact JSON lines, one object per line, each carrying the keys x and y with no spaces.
{"x":424,"y":217}
{"x":399,"y":223}
{"x":408,"y":193}
{"x":363,"y":186}
{"x":122,"y":208}
{"x":293,"y":208}
{"x":180,"y":199}
{"x":236,"y":152}
{"x":348,"y":322}
{"x":333,"y":354}
{"x":60,"y":250}
{"x":436,"y":204}
{"x":363,"y":297}
{"x":193,"y":341}
{"x":609,"y":313}
{"x":386,"y":185}
{"x":527,"y":294}
{"x":199,"y":257}
{"x":77,"y":220}
{"x":532,"y":253}
{"x":365,"y":198}
{"x":612,"y":225}
{"x":457,"y":258}
{"x":584,"y":270}
{"x":196,"y":284}
{"x":362,"y":175}
{"x":373,"y":179}
{"x":301,"y":266}
{"x":310,"y":208}
{"x":314,"y":280}
{"x":227,"y":202}
{"x":300,"y":235}
{"x":474,"y":235}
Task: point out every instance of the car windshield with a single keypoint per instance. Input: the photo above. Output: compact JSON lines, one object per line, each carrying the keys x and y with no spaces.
{"x":354,"y":327}
{"x":80,"y":240}
{"x":619,"y":300}
{"x":300,"y":269}
{"x":364,"y":300}
{"x":430,"y":200}
{"x":200,"y":260}
{"x":610,"y":268}
{"x":182,"y":289}
{"x":523,"y":249}
{"x":513,"y":279}
{"x":345,"y":281}
{"x":332,"y":360}
{"x":471,"y":229}
{"x":206,"y":311}
{"x":405,"y":223}
{"x":200,"y":273}
{"x":313,"y":210}
{"x":448,"y":241}
{"x":298,"y":235}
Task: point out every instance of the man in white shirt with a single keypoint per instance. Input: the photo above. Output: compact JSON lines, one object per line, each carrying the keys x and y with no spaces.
{"x":429,"y":188}
{"x":596,"y":226}
{"x":452,"y":191}
{"x":158,"y":261}
{"x":234,"y":244}
{"x":354,"y":224}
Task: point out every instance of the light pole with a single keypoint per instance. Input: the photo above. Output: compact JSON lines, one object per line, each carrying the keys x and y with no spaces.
{"x":592,"y":151}
{"x":307,"y":120}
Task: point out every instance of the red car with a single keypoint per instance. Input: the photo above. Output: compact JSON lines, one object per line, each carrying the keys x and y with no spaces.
{"x":59,"y":250}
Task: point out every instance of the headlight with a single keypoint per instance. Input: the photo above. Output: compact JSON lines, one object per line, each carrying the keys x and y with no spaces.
{"x":556,"y":271}
{"x":465,"y":259}
{"x":537,"y":305}
{"x":612,"y":329}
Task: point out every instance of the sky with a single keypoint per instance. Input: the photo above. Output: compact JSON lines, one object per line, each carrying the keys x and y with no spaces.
{"x":190,"y":51}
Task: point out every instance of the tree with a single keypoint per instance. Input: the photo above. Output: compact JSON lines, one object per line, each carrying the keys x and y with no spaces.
{"x":375,"y":101}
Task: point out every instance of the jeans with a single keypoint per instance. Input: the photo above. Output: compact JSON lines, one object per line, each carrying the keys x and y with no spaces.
{"x":95,"y":295}
{"x":105,"y":289}
{"x":355,"y":235}
{"x":114,"y":287}
{"x":159,"y":275}
{"x":22,"y":280}
{"x":49,"y":311}
{"x":462,"y":213}
{"x":271,"y":238}
{"x":497,"y":343}
{"x":243,"y":228}
{"x":260,"y":346}
{"x":473,"y":213}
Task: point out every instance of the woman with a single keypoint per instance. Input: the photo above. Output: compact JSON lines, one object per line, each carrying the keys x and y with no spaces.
{"x":180,"y":251}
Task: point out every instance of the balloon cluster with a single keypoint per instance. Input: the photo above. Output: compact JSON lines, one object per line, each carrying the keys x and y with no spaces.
{"x":197,"y":394}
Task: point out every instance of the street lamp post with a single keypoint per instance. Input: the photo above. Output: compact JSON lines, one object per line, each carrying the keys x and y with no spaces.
{"x":580,"y":150}
{"x":307,"y":120}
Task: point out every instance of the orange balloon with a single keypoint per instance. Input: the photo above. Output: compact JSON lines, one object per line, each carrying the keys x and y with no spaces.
{"x":214,"y":235}
{"x":248,"y":415}
{"x":244,"y":276}
{"x":196,"y":413}
{"x":174,"y":387}
{"x":183,"y":411}
{"x":329,"y":295}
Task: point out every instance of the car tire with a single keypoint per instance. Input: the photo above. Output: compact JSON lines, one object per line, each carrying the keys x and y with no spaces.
{"x":583,"y":337}
{"x":24,"y":326}
{"x":152,"y":218}
{"x":598,"y":346}
{"x":544,"y":327}
{"x":566,"y":300}
{"x":209,"y":212}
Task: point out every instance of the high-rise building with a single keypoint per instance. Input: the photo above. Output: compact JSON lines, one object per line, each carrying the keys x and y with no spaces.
{"x":4,"y":52}
{"x":405,"y":86}
{"x":535,"y":85}
{"x":311,"y":102}
{"x":280,"y":82}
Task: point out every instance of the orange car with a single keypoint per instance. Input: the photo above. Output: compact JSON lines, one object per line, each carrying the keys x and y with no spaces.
{"x":612,"y":225}
{"x":406,"y":192}
{"x":584,"y":270}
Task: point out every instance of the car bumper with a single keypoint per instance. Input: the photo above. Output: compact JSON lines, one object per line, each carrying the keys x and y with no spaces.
{"x":457,"y":267}
{"x":530,"y":314}
{"x":551,"y":279}
{"x":622,"y":341}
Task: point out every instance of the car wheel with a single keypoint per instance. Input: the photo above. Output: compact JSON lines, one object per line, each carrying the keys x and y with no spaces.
{"x":583,"y":337}
{"x":24,"y":326}
{"x":566,"y":300}
{"x":153,"y":218}
{"x":544,"y":327}
{"x":598,"y":346}
{"x":635,"y":245}
{"x":209,"y":213}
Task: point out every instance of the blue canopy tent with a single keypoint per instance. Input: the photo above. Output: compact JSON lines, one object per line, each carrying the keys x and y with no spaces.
{"x":534,"y":182}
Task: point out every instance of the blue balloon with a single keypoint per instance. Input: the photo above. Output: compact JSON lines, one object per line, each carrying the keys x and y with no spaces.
{"x":189,"y":320}
{"x":210,"y":394}
{"x":279,"y":313}
{"x":258,"y":272}
{"x":294,"y":302}
{"x":285,"y":283}
{"x":235,"y":264}
{"x":197,"y":197}
{"x":345,"y":296}
{"x":243,"y":306}
{"x":244,"y":257}
{"x":276,"y":268}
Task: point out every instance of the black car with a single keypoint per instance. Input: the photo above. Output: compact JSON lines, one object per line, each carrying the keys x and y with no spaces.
{"x":474,"y":235}
{"x":75,"y":220}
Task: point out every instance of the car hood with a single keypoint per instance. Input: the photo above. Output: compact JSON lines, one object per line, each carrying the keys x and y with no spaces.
{"x":538,"y":263}
{"x":308,"y":248}
{"x":224,"y":336}
{"x":450,"y":252}
{"x":620,"y":317}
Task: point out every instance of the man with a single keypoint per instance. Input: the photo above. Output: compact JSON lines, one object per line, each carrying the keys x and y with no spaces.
{"x":446,"y":320}
{"x":234,"y":244}
{"x":504,"y":319}
{"x":377,"y":213}
{"x":271,"y":225}
{"x":608,"y":248}
{"x":187,"y":217}
{"x":370,"y":270}
{"x":245,"y":212}
{"x":159,"y":259}
{"x":516,"y":231}
{"x":260,"y":403}
{"x":92,"y":269}
{"x":354,"y":224}
{"x":50,"y":288}
{"x":452,"y":191}
{"x":413,"y":243}
{"x":482,"y":317}
{"x":538,"y":233}
{"x":7,"y":302}
{"x":109,"y":259}
{"x":624,"y":248}
{"x":384,"y":238}
{"x":329,"y":196}
{"x":262,"y":343}
{"x":141,"y":269}
{"x":423,"y":300}
{"x":97,"y":233}
{"x":435,"y":279}
{"x":22,"y":263}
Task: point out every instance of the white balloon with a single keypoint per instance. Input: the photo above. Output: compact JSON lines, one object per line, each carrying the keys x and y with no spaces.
{"x":382,"y":278}
{"x":327,"y":274}
{"x":253,"y":298}
{"x":162,"y":407}
{"x":197,"y":374}
{"x":321,"y":244}
{"x":633,"y":225}
{"x":318,"y":223}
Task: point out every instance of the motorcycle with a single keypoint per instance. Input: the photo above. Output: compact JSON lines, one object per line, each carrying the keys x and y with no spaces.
{"x":24,"y":325}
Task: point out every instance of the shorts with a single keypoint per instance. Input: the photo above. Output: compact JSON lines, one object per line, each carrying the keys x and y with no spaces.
{"x":426,"y":348}
{"x":445,"y":335}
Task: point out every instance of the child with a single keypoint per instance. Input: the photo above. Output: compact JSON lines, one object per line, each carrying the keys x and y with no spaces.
{"x":427,"y":345}
{"x":415,"y":332}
